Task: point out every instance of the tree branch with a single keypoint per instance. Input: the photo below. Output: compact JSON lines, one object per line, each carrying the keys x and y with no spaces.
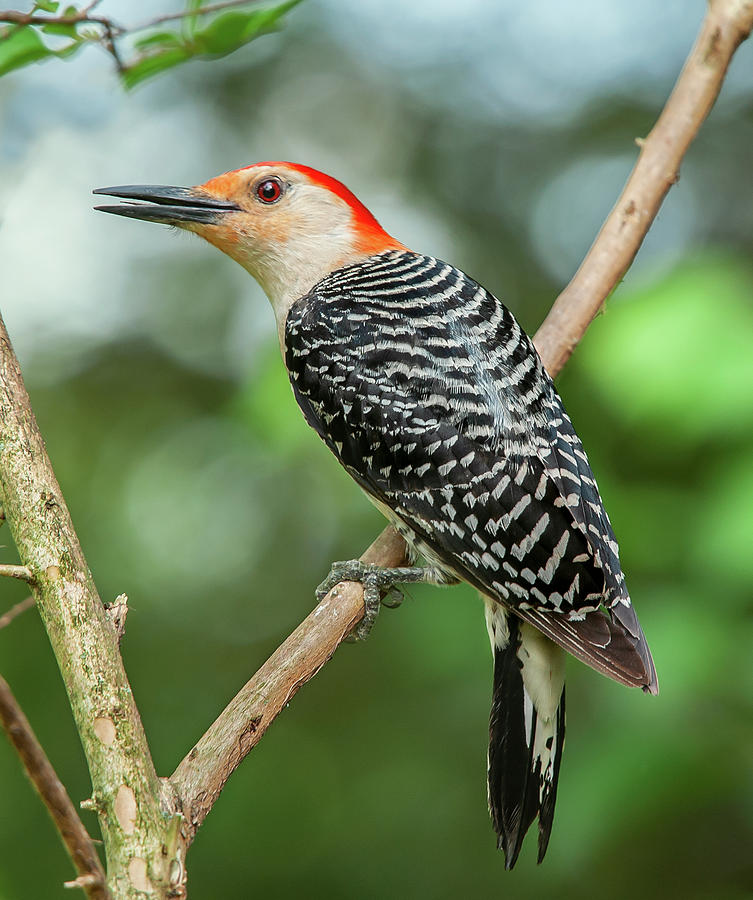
{"x":110,"y":31}
{"x":203,"y":772}
{"x":726,"y":25}
{"x":126,"y":790}
{"x":201,"y":11}
{"x":20,"y":572}
{"x":76,"y":838}
{"x":201,"y":776}
{"x":84,"y":17}
{"x":16,"y":611}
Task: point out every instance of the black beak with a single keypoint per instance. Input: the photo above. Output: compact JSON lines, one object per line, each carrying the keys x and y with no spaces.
{"x":167,"y":205}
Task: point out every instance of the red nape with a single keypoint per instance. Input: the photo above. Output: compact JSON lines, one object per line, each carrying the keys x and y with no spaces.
{"x":372,"y":238}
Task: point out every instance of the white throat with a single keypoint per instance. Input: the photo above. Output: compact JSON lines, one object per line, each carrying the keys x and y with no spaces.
{"x":316,"y":237}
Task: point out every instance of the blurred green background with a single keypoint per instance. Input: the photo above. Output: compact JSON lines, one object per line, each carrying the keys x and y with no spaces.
{"x":496,"y":137}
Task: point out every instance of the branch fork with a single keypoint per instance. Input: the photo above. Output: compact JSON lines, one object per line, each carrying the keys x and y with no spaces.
{"x":148,"y":823}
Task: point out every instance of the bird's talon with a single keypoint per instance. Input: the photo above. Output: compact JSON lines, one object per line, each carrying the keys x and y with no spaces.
{"x":393,"y":598}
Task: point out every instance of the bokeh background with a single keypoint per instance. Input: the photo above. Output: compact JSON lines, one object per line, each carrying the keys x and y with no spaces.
{"x":495,"y":135}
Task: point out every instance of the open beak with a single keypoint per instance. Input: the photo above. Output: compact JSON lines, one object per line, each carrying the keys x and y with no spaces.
{"x":167,"y":205}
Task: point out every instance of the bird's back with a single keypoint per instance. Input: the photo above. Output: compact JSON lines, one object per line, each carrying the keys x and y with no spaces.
{"x":434,"y":399}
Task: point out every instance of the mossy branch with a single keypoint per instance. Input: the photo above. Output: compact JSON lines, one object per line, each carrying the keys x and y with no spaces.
{"x":126,"y":790}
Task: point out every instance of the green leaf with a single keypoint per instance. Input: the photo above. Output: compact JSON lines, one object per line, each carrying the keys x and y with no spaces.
{"x":225,"y":33}
{"x":21,"y":47}
{"x":152,"y":65}
{"x":63,"y":30}
{"x":70,"y":49}
{"x":232,"y":30}
{"x":189,"y":23}
{"x":163,"y":39}
{"x":49,"y":6}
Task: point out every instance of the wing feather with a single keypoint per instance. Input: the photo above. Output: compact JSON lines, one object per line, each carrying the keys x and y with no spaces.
{"x":442,"y":411}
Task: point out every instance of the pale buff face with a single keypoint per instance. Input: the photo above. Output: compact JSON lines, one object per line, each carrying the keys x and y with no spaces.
{"x":289,"y":244}
{"x":286,"y":224}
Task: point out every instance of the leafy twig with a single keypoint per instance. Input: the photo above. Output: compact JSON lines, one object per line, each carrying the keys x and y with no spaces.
{"x":157,"y":51}
{"x":14,"y":17}
{"x":200,"y":11}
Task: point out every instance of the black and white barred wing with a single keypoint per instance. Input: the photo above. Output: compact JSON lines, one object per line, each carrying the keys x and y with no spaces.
{"x":444,"y":416}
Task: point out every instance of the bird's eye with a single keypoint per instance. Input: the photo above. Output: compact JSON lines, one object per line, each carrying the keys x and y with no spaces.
{"x":269,"y":190}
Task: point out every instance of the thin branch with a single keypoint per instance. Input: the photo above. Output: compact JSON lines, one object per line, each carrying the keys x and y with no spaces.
{"x":201,"y":11}
{"x":201,"y":775}
{"x":84,"y":17}
{"x":726,"y":25}
{"x":76,"y":838}
{"x":16,"y":611}
{"x":126,"y":790}
{"x":21,"y":572}
{"x":80,"y":17}
{"x":111,"y":31}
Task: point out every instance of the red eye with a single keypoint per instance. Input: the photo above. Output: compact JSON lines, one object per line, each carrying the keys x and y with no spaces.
{"x":269,"y":190}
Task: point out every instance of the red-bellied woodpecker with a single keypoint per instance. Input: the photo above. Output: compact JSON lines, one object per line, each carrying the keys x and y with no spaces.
{"x":435,"y":401}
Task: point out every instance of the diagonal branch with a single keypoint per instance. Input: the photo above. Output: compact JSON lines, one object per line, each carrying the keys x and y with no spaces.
{"x":15,"y":611}
{"x":201,"y":776}
{"x":726,"y":25}
{"x":76,"y":838}
{"x":204,"y":771}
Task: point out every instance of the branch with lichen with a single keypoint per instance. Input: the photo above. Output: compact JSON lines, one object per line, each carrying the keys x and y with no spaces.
{"x":126,"y":791}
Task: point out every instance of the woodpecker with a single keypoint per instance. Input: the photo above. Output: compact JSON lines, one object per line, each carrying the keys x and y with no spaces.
{"x":433,"y":398}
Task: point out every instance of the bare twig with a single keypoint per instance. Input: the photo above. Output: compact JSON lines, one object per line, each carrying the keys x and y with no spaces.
{"x":201,"y":11}
{"x":84,"y":17}
{"x":76,"y":838}
{"x":81,"y":16}
{"x":202,"y":774}
{"x":20,"y":572}
{"x":726,"y":25}
{"x":110,"y":30}
{"x":16,"y":611}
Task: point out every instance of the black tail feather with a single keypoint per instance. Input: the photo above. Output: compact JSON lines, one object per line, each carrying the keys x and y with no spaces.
{"x":518,"y":790}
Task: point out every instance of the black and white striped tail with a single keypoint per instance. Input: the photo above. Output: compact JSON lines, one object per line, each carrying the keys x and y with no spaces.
{"x":526,"y":730}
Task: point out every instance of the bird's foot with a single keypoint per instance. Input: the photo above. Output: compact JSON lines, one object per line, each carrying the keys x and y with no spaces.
{"x":378,"y":587}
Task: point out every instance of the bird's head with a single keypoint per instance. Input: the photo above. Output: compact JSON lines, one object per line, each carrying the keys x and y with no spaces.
{"x":287,"y":224}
